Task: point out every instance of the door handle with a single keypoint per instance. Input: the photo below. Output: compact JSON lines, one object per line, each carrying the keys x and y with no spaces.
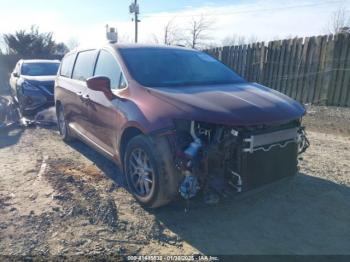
{"x":83,"y":98}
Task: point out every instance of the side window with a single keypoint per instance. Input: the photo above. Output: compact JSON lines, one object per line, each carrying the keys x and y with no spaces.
{"x":67,"y":65}
{"x":108,"y":66}
{"x":84,"y":66}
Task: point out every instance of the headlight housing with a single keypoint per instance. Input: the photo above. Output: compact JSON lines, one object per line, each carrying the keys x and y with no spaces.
{"x":27,"y":86}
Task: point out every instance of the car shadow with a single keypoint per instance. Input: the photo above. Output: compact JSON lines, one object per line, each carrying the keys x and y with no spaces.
{"x":300,"y":215}
{"x":108,"y":167}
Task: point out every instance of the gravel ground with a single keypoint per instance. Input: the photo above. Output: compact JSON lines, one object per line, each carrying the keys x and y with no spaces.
{"x":329,"y":120}
{"x":66,"y":199}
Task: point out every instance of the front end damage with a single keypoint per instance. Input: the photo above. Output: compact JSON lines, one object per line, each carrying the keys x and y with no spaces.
{"x":220,"y":159}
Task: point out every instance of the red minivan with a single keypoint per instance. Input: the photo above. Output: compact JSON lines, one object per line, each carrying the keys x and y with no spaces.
{"x":177,"y":120}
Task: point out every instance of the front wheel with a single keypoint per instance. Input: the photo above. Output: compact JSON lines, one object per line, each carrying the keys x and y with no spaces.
{"x":63,"y":125}
{"x":149,"y":175}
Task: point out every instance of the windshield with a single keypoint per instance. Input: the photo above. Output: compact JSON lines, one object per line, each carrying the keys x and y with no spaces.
{"x":39,"y":69}
{"x":164,"y":67}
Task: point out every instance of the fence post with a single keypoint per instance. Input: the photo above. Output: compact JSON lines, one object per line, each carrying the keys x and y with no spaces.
{"x":327,"y":79}
{"x":321,"y":70}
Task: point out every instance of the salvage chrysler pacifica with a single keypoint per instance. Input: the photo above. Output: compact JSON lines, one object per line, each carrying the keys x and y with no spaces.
{"x":177,"y":121}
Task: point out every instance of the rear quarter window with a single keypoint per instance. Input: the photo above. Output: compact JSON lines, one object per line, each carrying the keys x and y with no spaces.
{"x":84,"y":65}
{"x":67,"y":65}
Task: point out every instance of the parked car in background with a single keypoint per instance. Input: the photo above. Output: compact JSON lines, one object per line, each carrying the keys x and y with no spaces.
{"x":32,"y":84}
{"x":177,"y":120}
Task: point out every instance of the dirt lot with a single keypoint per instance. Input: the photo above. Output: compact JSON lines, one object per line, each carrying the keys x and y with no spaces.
{"x":66,"y":199}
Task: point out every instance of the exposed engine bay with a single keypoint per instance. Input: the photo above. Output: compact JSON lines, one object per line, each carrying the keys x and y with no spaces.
{"x":216,"y":158}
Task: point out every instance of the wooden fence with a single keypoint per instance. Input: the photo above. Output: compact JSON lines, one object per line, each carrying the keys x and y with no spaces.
{"x":312,"y":70}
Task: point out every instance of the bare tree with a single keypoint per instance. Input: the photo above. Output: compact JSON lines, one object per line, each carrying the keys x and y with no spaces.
{"x":339,"y":21}
{"x":153,"y":39}
{"x":211,"y":45}
{"x":125,"y":39}
{"x":72,"y":43}
{"x":241,"y":40}
{"x":234,"y":40}
{"x":252,"y":39}
{"x":230,"y":40}
{"x":172,"y":33}
{"x":167,"y":32}
{"x":198,"y":31}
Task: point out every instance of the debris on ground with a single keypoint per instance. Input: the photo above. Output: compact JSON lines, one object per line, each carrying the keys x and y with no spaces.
{"x":9,"y":115}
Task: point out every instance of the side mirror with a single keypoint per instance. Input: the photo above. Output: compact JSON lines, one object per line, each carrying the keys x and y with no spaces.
{"x":102,"y":84}
{"x":14,"y":74}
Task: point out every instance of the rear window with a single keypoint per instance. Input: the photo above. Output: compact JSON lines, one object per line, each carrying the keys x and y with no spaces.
{"x":39,"y":69}
{"x":67,"y":65}
{"x":84,"y":66}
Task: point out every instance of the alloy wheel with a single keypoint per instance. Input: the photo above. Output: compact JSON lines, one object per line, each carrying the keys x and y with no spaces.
{"x":141,"y":172}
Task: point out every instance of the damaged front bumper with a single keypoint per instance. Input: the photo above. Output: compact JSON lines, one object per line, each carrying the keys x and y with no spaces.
{"x":218,"y":158}
{"x":34,"y":101}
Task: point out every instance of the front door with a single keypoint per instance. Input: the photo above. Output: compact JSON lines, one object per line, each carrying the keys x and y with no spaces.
{"x":103,"y":111}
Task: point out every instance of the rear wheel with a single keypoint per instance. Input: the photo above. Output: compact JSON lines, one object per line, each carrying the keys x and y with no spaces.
{"x":149,"y":178}
{"x":63,"y":126}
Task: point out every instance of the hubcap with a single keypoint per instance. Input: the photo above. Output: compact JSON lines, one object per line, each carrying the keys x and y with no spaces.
{"x":141,"y":172}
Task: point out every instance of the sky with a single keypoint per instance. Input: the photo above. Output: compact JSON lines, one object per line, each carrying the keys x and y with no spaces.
{"x":84,"y":20}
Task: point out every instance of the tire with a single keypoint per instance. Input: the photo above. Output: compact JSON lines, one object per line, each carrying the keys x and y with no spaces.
{"x":149,"y":160}
{"x":63,"y":126}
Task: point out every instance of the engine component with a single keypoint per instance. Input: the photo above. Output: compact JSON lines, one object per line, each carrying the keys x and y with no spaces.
{"x":236,"y":182}
{"x":193,"y":131}
{"x":194,"y":147}
{"x":190,"y":186}
{"x":234,"y":132}
{"x":221,"y":160}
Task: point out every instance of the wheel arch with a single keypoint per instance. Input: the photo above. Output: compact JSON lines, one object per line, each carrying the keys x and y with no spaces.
{"x":128,"y":134}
